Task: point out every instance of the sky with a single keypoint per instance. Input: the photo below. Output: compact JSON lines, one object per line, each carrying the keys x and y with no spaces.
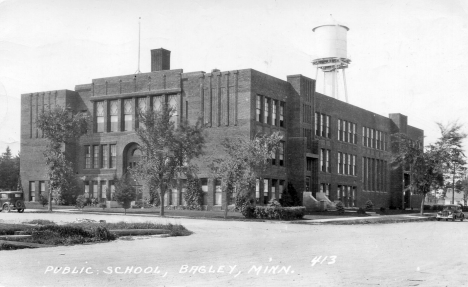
{"x":408,"y":57}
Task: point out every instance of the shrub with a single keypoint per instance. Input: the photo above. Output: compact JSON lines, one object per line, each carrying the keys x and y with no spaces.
{"x":80,"y":201}
{"x":274,"y":203}
{"x":70,"y":234}
{"x":340,"y":207}
{"x":43,"y":200}
{"x":290,"y":197}
{"x":369,"y":205}
{"x":194,"y":194}
{"x":361,"y":211}
{"x":275,"y":212}
{"x":125,"y":193}
{"x":40,"y":222}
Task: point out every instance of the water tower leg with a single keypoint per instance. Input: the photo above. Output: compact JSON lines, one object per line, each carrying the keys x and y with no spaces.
{"x":337,"y":84}
{"x":345,"y":87}
{"x":333,"y":84}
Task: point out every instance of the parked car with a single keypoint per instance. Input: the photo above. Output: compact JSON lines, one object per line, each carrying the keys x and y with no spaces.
{"x":451,"y":212}
{"x":12,"y":200}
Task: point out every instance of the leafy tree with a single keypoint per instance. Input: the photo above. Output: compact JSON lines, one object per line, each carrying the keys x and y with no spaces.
{"x":167,"y":149}
{"x":290,"y":197}
{"x":244,"y":163}
{"x":451,"y":145}
{"x":125,"y":192}
{"x":194,"y":194}
{"x":60,"y":127}
{"x":425,"y":165}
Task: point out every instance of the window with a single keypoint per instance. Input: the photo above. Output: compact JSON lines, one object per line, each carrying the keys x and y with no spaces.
{"x":95,"y":189}
{"x":355,"y":134}
{"x":158,"y":101}
{"x":218,"y":192}
{"x":345,"y":163}
{"x":204,"y":186}
{"x":273,"y":188}
{"x":265,"y":190}
{"x":372,"y":143}
{"x":103,"y":189}
{"x":350,"y":133}
{"x":96,"y":156}
{"x":317,"y":124}
{"x":369,"y":140}
{"x":339,"y":130}
{"x":354,"y":165}
{"x":86,"y":189}
{"x":114,"y":116}
{"x":364,"y":139}
{"x":141,"y":109}
{"x":32,"y":191}
{"x":100,"y":117}
{"x":280,"y":188}
{"x":257,"y":190}
{"x":327,"y":162}
{"x":281,"y":114}
{"x":344,"y":137}
{"x":309,"y":164}
{"x":128,"y":117}
{"x":322,"y":120}
{"x":113,"y":156}
{"x":266,"y":114}
{"x":273,"y":113}
{"x":322,"y":159}
{"x":281,"y":154}
{"x":340,"y":163}
{"x":87,"y":156}
{"x":307,"y":183}
{"x":273,"y":157}
{"x":104,"y":156}
{"x":172,"y":102}
{"x":42,"y":188}
{"x":328,"y":134}
{"x":259,"y":108}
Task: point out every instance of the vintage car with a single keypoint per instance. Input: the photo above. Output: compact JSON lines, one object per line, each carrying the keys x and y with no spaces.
{"x":451,"y":212}
{"x":11,"y":200}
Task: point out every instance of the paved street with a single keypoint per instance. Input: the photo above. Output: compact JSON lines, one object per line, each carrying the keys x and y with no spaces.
{"x":249,"y":254}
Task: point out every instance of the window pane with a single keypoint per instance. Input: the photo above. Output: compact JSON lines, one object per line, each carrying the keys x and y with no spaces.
{"x":113,"y":156}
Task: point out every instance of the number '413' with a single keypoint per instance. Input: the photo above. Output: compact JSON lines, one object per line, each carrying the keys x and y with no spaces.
{"x":323,"y":259}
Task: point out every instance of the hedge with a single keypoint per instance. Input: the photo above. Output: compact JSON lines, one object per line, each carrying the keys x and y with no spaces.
{"x":272,"y":212}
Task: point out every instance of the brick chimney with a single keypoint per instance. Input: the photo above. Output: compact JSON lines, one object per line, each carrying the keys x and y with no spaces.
{"x":160,"y":60}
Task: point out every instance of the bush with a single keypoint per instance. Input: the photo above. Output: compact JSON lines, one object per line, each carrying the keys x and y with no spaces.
{"x":275,"y":212}
{"x":369,"y":205}
{"x":80,"y":201}
{"x":69,"y":234}
{"x":43,"y":200}
{"x":194,"y":194}
{"x":40,"y":222}
{"x":290,"y":197}
{"x":274,"y":203}
{"x":340,"y":207}
{"x":361,"y":211}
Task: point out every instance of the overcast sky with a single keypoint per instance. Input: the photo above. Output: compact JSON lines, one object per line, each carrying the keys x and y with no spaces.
{"x":408,"y":57}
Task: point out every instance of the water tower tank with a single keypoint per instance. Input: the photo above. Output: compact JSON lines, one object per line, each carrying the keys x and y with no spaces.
{"x":331,"y":41}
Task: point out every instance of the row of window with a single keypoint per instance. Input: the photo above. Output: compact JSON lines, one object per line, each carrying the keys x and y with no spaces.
{"x":99,"y":189}
{"x":347,"y":131}
{"x":128,"y":110}
{"x":347,"y":164}
{"x":280,"y":152}
{"x":374,"y":139}
{"x":269,"y":111}
{"x":269,"y":190}
{"x":32,"y":189}
{"x":100,"y":156}
{"x":373,"y":174}
{"x":322,"y":125}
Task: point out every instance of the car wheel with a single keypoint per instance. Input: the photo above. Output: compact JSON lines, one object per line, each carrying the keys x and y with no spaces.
{"x":6,"y":207}
{"x":20,"y":210}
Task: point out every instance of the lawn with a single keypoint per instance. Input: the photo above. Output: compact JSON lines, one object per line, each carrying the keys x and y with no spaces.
{"x":48,"y":233}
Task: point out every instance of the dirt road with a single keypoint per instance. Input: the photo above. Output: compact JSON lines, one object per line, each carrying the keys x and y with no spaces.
{"x":249,"y":254}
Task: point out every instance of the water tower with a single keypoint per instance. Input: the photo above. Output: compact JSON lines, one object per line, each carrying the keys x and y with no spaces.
{"x":331,"y":57}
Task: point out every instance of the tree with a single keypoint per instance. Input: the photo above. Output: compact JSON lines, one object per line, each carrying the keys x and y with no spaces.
{"x":60,"y":127}
{"x":425,"y":165}
{"x":244,"y":163}
{"x":9,"y":170}
{"x":125,"y":193}
{"x":450,"y":143}
{"x":167,"y":150}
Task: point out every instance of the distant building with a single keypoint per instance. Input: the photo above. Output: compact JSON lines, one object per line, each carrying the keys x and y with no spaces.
{"x":329,"y":146}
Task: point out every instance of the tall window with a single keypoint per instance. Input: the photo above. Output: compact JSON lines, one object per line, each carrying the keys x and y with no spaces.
{"x":141,"y":109}
{"x":96,"y":156}
{"x":172,"y":102}
{"x":317,"y":124}
{"x":113,"y":156}
{"x":204,"y":186}
{"x":350,"y":133}
{"x":266,"y":114}
{"x":100,"y":117}
{"x":128,"y":115}
{"x":345,"y":134}
{"x":257,"y":190}
{"x":354,"y":133}
{"x":273,"y":113}
{"x":95,"y":189}
{"x":87,"y":156}
{"x":265,"y":190}
{"x":104,"y":156}
{"x":369,"y":140}
{"x":309,"y":164}
{"x":86,"y":189}
{"x":281,"y":114}
{"x":281,"y":154}
{"x":273,"y":157}
{"x":259,"y":108}
{"x":322,"y":159}
{"x":218,"y":192}
{"x":322,"y":120}
{"x":364,"y":139}
{"x":327,"y":162}
{"x":32,"y":191}
{"x":340,"y":163}
{"x":280,"y":188}
{"x":42,"y":188}
{"x":339,"y":130}
{"x":158,"y":101}
{"x":328,"y":134}
{"x":114,"y":116}
{"x":345,"y":163}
